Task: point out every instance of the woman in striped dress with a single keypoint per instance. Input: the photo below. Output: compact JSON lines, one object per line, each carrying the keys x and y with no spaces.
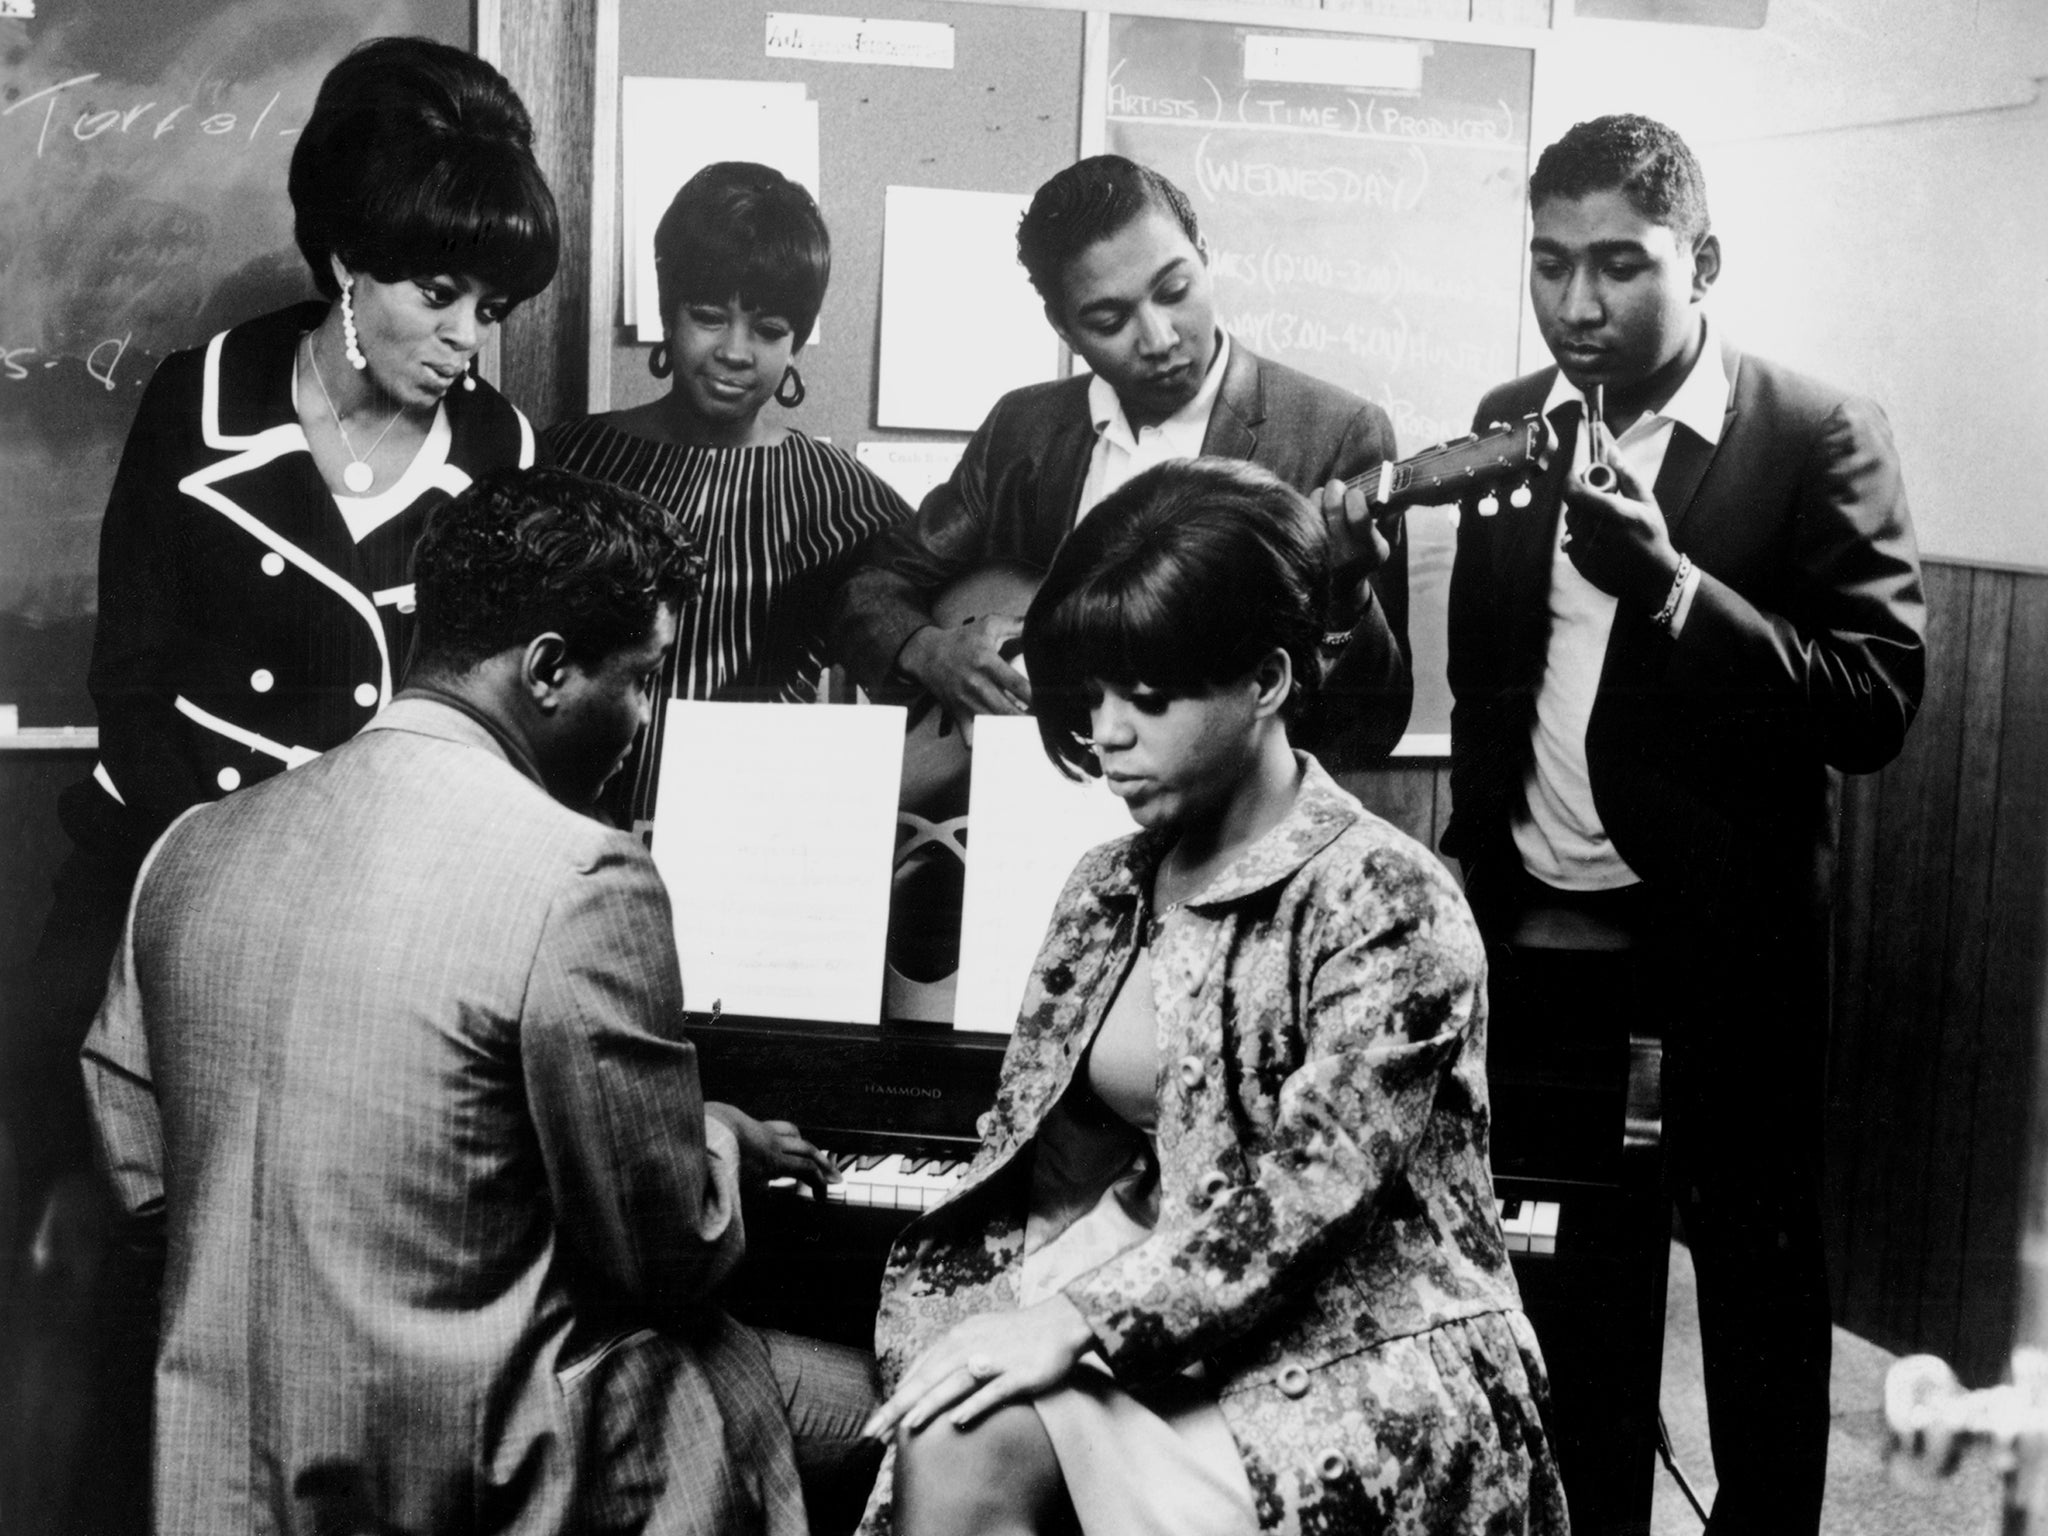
{"x":742,"y":259}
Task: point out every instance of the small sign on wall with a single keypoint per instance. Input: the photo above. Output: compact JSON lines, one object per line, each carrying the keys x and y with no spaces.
{"x":1694,"y":13}
{"x":860,"y":40}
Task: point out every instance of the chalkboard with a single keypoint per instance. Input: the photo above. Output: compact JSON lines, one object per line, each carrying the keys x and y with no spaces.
{"x":143,"y":150}
{"x":1369,"y":231}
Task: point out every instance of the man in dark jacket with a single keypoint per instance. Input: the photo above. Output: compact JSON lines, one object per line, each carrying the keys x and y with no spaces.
{"x":1113,"y":249}
{"x":1654,"y":687}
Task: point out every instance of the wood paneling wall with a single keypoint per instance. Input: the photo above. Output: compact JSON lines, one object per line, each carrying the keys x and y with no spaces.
{"x":547,"y":50}
{"x":1940,"y":932}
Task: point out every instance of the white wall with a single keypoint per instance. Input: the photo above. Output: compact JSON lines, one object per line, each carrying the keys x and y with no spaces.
{"x":1878,"y":171}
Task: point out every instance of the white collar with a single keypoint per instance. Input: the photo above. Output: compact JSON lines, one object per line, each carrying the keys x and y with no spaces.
{"x":1701,"y":402}
{"x":1107,"y":411}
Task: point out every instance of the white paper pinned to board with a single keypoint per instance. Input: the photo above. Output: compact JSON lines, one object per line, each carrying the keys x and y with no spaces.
{"x":672,"y":129}
{"x":1027,"y":826}
{"x":775,"y":835}
{"x":961,"y":323}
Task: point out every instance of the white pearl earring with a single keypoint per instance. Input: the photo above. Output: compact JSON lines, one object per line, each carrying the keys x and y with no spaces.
{"x":351,"y":349}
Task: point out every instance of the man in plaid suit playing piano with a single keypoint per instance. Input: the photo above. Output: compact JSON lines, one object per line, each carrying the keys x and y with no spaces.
{"x":393,"y":1055}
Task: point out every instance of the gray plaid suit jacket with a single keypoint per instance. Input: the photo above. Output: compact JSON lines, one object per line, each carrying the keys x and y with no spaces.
{"x":393,"y":1047}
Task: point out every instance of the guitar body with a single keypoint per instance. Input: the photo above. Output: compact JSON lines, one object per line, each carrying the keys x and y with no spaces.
{"x":935,"y":754}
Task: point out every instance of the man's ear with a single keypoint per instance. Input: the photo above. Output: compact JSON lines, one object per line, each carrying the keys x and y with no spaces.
{"x":1706,"y":264}
{"x":1274,"y":679}
{"x":1052,"y":318}
{"x":544,"y":669}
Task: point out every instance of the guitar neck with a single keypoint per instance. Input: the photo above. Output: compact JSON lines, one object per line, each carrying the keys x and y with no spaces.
{"x":1446,"y":471}
{"x":1385,"y":484}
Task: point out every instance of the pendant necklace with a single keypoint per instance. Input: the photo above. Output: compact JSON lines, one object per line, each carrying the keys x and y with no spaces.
{"x":358,"y":476}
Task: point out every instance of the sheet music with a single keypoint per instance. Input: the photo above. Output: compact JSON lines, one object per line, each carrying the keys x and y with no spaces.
{"x":775,"y":836}
{"x":1027,"y":826}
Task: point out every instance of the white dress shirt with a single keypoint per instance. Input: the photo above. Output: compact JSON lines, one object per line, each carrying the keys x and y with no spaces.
{"x":1121,"y":453}
{"x":1559,"y":833}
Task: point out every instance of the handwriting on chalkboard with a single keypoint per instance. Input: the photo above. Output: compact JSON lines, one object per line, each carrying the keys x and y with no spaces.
{"x":100,"y":360}
{"x":1391,"y":344}
{"x":139,"y":120}
{"x":1258,"y":107}
{"x":1390,"y":277}
{"x":1393,"y":188}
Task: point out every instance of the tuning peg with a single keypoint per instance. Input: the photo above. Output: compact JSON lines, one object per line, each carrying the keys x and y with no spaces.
{"x":1489,"y":504}
{"x":1520,"y":496}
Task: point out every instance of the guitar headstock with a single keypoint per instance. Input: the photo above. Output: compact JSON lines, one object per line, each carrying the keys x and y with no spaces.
{"x":1507,"y":454}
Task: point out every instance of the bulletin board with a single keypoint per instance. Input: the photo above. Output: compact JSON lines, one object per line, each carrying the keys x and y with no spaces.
{"x":1002,"y":119}
{"x":143,"y":151}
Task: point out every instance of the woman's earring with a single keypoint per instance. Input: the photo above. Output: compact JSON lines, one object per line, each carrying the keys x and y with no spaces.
{"x":349,"y":345}
{"x":789,"y":394}
{"x":469,"y":377}
{"x":657,"y":360}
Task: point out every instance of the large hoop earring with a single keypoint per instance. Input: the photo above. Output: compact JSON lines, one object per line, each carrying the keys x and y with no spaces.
{"x":350,"y":348}
{"x":789,"y":394}
{"x":657,"y":360}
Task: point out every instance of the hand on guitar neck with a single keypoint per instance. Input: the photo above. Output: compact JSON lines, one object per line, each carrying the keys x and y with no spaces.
{"x":1358,"y":545}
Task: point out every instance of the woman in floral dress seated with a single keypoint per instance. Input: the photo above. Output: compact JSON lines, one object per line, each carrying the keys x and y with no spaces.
{"x":1228,"y":1259}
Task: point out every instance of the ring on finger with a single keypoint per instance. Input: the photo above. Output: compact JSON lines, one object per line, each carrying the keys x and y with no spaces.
{"x":980,"y":1367}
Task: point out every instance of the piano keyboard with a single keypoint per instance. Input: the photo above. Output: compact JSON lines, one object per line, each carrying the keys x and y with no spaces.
{"x":892,"y":1181}
{"x":900,"y":1182}
{"x":1530,"y":1225}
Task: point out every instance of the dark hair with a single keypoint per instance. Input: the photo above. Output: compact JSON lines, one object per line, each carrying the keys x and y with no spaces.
{"x":418,"y":159}
{"x":736,"y":228}
{"x":524,"y":551}
{"x":1184,"y":578}
{"x":1637,"y":156}
{"x":1091,"y":200}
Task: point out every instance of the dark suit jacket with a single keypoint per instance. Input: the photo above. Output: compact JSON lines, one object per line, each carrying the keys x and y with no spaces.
{"x":444,"y":1208}
{"x":1709,"y":752}
{"x":1012,"y":500}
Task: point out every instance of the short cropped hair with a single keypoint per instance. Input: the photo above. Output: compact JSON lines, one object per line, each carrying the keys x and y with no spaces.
{"x":1639,"y":157}
{"x":745,"y":230}
{"x":418,"y":160}
{"x":521,"y":552}
{"x":1183,"y":579}
{"x":1091,"y":200}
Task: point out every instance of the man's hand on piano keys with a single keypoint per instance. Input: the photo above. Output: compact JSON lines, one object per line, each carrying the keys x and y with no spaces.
{"x":775,"y":1149}
{"x":985,"y":1362}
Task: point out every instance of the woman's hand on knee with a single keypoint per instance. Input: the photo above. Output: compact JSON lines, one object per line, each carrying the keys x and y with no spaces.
{"x":985,"y":1362}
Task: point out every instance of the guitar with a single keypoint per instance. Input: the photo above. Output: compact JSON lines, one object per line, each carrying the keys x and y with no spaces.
{"x":935,"y":754}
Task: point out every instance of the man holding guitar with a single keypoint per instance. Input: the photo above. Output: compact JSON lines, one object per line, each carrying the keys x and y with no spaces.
{"x":1710,"y":609}
{"x":1113,"y":249}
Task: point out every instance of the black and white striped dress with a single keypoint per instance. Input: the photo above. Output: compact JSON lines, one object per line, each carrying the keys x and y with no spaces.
{"x":779,"y":527}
